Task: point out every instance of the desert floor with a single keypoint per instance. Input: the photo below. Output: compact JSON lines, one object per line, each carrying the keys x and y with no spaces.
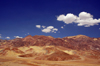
{"x":12,"y":61}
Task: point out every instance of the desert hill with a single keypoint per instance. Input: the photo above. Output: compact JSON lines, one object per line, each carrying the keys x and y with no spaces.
{"x":47,"y":48}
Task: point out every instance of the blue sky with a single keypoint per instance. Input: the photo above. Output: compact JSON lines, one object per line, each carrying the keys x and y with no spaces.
{"x":57,"y":18}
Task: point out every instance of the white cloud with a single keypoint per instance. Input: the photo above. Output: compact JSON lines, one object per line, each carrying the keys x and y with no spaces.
{"x":49,"y":29}
{"x":61,"y":17}
{"x":55,"y":29}
{"x":99,"y":28}
{"x":7,"y":37}
{"x":85,"y":15}
{"x":62,"y":27}
{"x":43,"y":26}
{"x":46,"y":30}
{"x":84,"y":19}
{"x":18,"y":37}
{"x":0,"y":34}
{"x":38,"y":26}
{"x":28,"y":33}
{"x":69,"y":18}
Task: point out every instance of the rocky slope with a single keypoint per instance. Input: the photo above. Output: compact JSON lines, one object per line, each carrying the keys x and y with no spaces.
{"x":49,"y":48}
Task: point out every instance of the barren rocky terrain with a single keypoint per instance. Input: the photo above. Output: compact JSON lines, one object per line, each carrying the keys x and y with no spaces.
{"x":79,"y":50}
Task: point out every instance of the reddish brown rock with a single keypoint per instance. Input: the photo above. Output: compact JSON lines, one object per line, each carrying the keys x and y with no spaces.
{"x":84,"y":45}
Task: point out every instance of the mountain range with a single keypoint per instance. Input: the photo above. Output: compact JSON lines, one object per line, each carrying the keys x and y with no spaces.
{"x":47,"y":48}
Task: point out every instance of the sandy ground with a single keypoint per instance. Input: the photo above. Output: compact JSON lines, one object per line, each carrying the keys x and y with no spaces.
{"x":12,"y":61}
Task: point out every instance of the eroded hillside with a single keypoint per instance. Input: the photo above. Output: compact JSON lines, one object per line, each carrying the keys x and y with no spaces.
{"x":33,"y":50}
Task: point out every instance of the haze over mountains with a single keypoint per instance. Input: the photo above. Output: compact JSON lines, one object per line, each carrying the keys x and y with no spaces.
{"x":72,"y":48}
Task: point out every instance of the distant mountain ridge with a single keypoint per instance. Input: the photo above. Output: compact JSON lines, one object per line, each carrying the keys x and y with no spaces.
{"x":79,"y":42}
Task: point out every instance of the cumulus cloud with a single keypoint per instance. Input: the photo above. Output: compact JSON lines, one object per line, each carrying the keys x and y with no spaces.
{"x":46,"y":30}
{"x":69,"y":18}
{"x":18,"y":37}
{"x":38,"y":26}
{"x":7,"y":37}
{"x":49,"y":29}
{"x":83,"y":19}
{"x":85,"y":15}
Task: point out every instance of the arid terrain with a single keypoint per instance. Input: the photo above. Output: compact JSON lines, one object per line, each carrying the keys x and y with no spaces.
{"x":79,"y":50}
